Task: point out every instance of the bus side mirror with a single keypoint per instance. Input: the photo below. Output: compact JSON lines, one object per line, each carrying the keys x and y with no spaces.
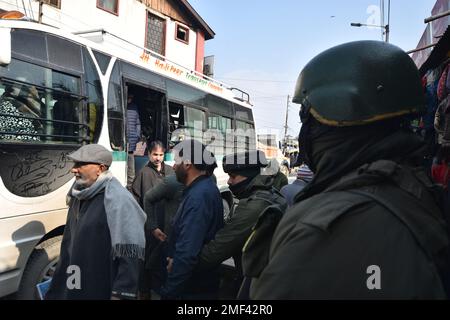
{"x":5,"y":46}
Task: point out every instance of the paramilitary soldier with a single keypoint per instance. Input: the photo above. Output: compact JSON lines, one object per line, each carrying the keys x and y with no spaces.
{"x":255,"y":193}
{"x":368,"y":226}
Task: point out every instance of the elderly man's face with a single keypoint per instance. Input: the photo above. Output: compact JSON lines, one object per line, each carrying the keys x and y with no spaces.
{"x":87,"y":173}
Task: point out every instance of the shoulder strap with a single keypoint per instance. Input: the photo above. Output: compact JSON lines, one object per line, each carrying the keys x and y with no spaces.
{"x":273,"y":196}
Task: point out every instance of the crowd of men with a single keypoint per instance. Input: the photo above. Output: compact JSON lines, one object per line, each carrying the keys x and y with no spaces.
{"x":364,"y":221}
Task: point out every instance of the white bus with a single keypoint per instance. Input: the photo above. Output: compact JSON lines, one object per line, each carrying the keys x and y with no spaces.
{"x":60,"y":91}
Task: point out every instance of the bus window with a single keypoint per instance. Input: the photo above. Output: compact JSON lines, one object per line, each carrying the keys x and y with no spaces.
{"x":37,"y":102}
{"x":219,"y":106}
{"x":220,"y":123}
{"x":185,"y":94}
{"x":244,"y":136}
{"x":243,"y":113}
{"x":220,"y":134}
{"x":64,"y":53}
{"x":185,"y":121}
{"x":176,"y":116}
{"x":94,"y":98}
{"x":195,"y":122}
{"x":115,"y":111}
{"x":22,"y":40}
{"x":48,"y":49}
{"x":177,"y":131}
{"x":16,"y":123}
{"x":102,"y":60}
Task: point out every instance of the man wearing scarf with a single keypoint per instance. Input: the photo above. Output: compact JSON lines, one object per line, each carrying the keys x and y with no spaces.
{"x":255,"y":193}
{"x":103,"y":242}
{"x":369,"y":225}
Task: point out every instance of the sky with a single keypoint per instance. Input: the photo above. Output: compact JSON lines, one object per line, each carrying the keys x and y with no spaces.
{"x":261,"y":46}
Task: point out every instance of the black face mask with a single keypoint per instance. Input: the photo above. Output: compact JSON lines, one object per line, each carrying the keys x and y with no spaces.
{"x":303,"y":146}
{"x":239,"y":188}
{"x":304,"y":139}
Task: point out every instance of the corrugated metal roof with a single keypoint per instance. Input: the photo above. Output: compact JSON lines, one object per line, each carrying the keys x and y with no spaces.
{"x":439,"y":53}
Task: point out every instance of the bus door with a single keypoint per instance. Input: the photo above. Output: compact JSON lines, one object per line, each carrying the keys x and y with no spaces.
{"x":151,"y":107}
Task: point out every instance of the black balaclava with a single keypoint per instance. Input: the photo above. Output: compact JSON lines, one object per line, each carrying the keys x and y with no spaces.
{"x":239,"y":189}
{"x":332,"y":152}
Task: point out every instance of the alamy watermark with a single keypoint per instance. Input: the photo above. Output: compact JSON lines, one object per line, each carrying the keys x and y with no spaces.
{"x":74,"y":279}
{"x":374,"y":280}
{"x":374,"y":18}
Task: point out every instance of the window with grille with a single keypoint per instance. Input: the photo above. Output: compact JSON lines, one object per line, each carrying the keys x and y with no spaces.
{"x":112,"y":6}
{"x":155,"y":33}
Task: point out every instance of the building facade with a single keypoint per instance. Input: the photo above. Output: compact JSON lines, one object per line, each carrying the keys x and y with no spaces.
{"x":171,"y":28}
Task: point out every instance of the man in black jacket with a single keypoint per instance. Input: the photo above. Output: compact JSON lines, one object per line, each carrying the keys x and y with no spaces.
{"x":149,"y":177}
{"x":103,"y":241}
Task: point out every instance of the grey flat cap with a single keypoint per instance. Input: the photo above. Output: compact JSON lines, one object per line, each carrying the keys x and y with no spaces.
{"x":92,"y":153}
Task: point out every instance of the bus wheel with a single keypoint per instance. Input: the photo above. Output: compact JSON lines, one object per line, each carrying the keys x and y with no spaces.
{"x":40,"y":267}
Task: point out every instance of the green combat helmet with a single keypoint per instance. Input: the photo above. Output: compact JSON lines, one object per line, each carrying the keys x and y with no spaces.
{"x":358,"y":83}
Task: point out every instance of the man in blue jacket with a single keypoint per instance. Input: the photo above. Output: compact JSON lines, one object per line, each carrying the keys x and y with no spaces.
{"x":196,"y":222}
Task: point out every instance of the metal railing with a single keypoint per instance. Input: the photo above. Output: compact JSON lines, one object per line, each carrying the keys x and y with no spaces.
{"x":82,"y":128}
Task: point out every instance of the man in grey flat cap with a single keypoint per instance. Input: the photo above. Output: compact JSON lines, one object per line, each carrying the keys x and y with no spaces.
{"x":103,"y":241}
{"x":258,"y":199}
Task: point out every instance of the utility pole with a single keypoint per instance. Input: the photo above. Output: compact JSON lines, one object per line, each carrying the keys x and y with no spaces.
{"x":386,"y":27}
{"x":286,"y":126}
